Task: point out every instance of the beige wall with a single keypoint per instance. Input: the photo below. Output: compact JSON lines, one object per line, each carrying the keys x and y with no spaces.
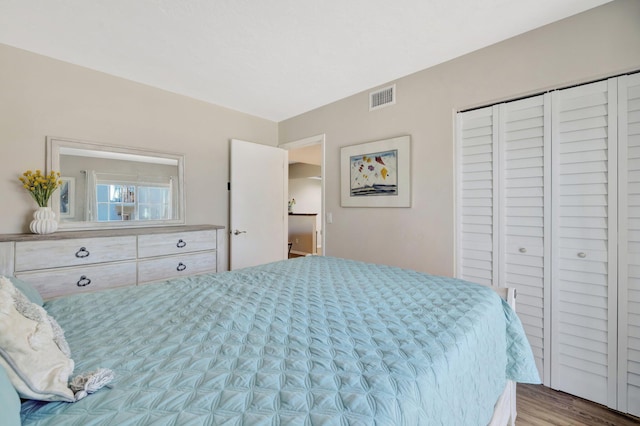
{"x":598,"y":43}
{"x":42,"y":97}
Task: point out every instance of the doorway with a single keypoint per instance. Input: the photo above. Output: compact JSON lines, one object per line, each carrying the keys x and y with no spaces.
{"x":306,"y":192}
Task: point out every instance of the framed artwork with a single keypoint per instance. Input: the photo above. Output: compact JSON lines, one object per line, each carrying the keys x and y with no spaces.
{"x":376,"y":174}
{"x":67,"y":197}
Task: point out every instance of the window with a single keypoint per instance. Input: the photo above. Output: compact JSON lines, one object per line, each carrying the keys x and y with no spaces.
{"x":118,"y":201}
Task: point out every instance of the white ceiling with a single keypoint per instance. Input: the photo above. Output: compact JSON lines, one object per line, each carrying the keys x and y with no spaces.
{"x":271,"y":58}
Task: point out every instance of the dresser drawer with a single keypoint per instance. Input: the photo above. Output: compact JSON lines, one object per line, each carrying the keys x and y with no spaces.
{"x":175,"y":243}
{"x":64,"y":281}
{"x":32,"y":255}
{"x":176,"y":266}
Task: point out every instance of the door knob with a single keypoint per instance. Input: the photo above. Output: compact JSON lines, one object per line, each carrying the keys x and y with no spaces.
{"x":237,"y":232}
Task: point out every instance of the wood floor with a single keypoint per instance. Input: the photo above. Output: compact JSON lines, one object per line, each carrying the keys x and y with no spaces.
{"x":539,"y":406}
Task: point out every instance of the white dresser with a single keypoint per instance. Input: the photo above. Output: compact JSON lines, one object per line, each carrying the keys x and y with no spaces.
{"x":64,"y":263}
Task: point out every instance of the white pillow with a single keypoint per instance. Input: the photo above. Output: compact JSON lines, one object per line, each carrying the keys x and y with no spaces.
{"x":35,"y":353}
{"x":36,"y":364}
{"x":32,"y":348}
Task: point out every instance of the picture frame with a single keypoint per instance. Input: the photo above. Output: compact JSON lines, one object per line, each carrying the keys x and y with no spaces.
{"x":67,"y":197}
{"x":376,"y":174}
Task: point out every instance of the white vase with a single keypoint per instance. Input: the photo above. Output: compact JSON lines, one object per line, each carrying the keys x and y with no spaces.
{"x":44,"y":221}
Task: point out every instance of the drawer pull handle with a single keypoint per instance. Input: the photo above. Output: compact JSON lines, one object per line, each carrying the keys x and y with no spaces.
{"x":83,"y":281}
{"x":582,"y":255}
{"x":181,"y":243}
{"x":522,"y":250}
{"x":83,"y":252}
{"x":181,"y":267}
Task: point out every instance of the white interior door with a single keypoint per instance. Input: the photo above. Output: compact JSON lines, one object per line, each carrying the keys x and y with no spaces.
{"x":258,"y":204}
{"x":563,"y":199}
{"x":504,"y":208}
{"x":525,"y":221}
{"x":629,"y":243}
{"x":584,"y":291}
{"x":478,"y":229}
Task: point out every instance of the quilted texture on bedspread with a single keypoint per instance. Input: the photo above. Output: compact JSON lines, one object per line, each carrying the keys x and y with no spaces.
{"x":313,"y":340}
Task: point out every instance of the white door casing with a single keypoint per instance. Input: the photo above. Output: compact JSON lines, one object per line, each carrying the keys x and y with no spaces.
{"x":303,"y":143}
{"x":258,"y":204}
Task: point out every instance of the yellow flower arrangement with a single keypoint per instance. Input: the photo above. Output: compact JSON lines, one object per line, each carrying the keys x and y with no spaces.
{"x":40,"y":186}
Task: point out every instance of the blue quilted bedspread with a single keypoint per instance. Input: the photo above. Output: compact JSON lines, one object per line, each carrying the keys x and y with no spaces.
{"x":310,"y":341}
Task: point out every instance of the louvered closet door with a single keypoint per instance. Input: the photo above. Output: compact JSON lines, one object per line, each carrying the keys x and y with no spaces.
{"x":476,"y":183}
{"x":524,"y":136}
{"x":629,"y":242}
{"x":584,"y":226}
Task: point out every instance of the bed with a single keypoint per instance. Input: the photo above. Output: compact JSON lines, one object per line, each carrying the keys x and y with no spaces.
{"x":314,"y":340}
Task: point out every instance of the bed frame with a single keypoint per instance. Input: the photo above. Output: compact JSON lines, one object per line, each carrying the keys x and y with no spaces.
{"x":504,"y":412}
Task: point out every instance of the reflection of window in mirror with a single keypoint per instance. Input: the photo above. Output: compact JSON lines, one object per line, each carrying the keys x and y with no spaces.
{"x":118,"y":202}
{"x":114,"y":186}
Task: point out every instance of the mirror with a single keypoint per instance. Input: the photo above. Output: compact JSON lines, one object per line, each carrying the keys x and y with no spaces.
{"x":110,"y":186}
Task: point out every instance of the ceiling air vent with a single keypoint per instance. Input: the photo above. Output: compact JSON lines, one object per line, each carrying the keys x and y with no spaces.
{"x":382,"y":98}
